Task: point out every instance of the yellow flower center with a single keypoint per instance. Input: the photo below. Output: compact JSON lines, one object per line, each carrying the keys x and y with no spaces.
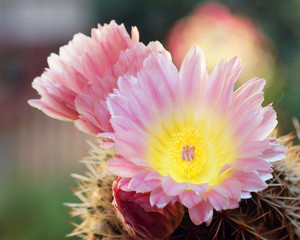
{"x":187,"y":153}
{"x":192,"y":151}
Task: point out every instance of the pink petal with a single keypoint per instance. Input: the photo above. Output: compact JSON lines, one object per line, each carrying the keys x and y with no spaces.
{"x":143,"y":115}
{"x":141,"y":162}
{"x":234,"y":69}
{"x":227,"y":166}
{"x":230,"y":187}
{"x":160,"y":77}
{"x":265,"y":175}
{"x":123,"y":168}
{"x":246,"y":126}
{"x":139,"y":185}
{"x":224,"y":76}
{"x":116,"y":107}
{"x":60,"y":115}
{"x":171,"y":187}
{"x":153,"y":175}
{"x":107,"y":136}
{"x":135,"y":34}
{"x":159,"y":198}
{"x":252,"y":149}
{"x":157,"y":47}
{"x":85,"y":127}
{"x":131,"y":60}
{"x":130,"y":139}
{"x":247,"y":98}
{"x":245,"y":195}
{"x":250,"y":181}
{"x":198,"y":188}
{"x":274,"y":152}
{"x":123,"y":184}
{"x":193,"y":74}
{"x":233,"y":203}
{"x":239,"y":109}
{"x":247,"y":90}
{"x":189,"y":198}
{"x":202,"y":212}
{"x":268,"y":123}
{"x":217,"y":200}
{"x":107,"y":145}
{"x":254,"y":164}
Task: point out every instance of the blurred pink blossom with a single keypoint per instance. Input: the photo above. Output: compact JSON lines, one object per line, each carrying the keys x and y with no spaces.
{"x":220,"y":34}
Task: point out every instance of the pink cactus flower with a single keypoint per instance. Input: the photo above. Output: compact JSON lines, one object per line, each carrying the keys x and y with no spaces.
{"x":78,"y":80}
{"x":91,"y":102}
{"x":140,"y":219}
{"x":188,"y":136}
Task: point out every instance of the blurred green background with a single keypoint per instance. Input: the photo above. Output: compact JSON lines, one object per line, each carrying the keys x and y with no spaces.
{"x":38,"y":153}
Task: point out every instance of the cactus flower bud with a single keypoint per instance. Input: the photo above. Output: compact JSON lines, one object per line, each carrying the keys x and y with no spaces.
{"x":140,"y":219}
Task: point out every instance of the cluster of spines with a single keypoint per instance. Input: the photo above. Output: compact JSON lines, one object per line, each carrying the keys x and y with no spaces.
{"x":94,"y":191}
{"x":273,"y":214}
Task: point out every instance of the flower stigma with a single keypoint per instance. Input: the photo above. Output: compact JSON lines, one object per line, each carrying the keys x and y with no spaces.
{"x":187,"y":153}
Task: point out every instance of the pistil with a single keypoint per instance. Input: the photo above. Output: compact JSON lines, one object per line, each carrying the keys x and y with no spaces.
{"x":188,"y":153}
